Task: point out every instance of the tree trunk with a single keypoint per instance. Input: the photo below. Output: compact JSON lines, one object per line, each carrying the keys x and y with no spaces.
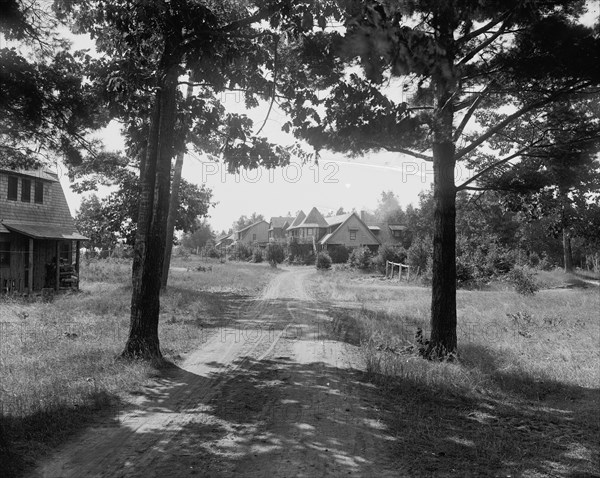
{"x":442,"y":342}
{"x":567,"y":253}
{"x":152,"y":219}
{"x":443,"y":295}
{"x":174,"y":200}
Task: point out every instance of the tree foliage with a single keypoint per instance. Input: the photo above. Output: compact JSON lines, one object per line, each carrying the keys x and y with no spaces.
{"x":46,"y":108}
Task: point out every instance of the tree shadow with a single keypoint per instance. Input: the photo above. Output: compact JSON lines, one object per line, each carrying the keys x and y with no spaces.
{"x":278,"y":416}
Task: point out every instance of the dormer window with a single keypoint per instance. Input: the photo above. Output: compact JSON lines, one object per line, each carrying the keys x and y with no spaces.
{"x":39,"y":192}
{"x":13,"y":187}
{"x":25,"y":190}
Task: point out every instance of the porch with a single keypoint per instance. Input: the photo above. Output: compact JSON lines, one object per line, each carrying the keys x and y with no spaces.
{"x":34,"y":257}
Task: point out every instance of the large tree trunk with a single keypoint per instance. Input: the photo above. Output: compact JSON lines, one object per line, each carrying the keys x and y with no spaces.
{"x":152,"y":219}
{"x":442,"y":342}
{"x":567,"y":252}
{"x":174,"y":200}
{"x":443,"y":295}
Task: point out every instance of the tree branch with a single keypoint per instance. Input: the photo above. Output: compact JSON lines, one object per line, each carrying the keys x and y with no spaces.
{"x":470,"y":112}
{"x":395,"y":149}
{"x":275,"y":58}
{"x":483,"y":29}
{"x":525,"y":109}
{"x":486,"y":170}
{"x":483,"y":44}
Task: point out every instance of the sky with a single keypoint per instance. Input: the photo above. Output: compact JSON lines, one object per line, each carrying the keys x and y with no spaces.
{"x":336,"y":181}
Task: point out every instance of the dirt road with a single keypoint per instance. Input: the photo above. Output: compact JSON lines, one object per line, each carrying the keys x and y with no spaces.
{"x":270,"y":393}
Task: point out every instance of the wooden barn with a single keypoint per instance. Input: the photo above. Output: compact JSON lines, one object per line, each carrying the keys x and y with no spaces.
{"x":39,"y":244}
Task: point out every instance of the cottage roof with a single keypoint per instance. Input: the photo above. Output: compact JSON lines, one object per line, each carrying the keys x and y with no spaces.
{"x":280,"y":221}
{"x":333,"y":220}
{"x":396,"y":227}
{"x":299,"y":218}
{"x":52,"y":219}
{"x":326,"y":238}
{"x":251,"y":226}
{"x":44,"y":231}
{"x":314,"y":219}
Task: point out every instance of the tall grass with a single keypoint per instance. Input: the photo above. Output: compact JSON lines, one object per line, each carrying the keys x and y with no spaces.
{"x":58,"y":359}
{"x":549,"y":337}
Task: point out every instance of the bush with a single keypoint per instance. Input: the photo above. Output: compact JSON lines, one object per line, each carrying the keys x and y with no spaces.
{"x":257,"y":256}
{"x":523,"y":281}
{"x":309,"y":259}
{"x":360,"y":258}
{"x":419,"y":252}
{"x":323,"y":260}
{"x":274,"y":253}
{"x":241,"y":252}
{"x":212,"y":251}
{"x":339,"y":254}
{"x":390,"y":253}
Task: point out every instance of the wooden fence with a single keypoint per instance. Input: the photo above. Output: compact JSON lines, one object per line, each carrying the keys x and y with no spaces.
{"x":390,"y":267}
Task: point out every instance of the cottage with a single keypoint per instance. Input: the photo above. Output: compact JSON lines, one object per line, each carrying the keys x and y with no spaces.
{"x":278,"y":227}
{"x":346,"y":229}
{"x":257,"y":233}
{"x":39,"y":243}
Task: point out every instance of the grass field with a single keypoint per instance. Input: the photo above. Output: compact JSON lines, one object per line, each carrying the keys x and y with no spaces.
{"x":58,"y":360}
{"x":523,"y":395}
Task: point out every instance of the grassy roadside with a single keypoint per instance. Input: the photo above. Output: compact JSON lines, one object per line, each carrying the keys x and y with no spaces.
{"x":58,"y":365}
{"x":522,"y":398}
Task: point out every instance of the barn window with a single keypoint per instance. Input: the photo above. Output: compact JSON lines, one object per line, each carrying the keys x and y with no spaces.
{"x":13,"y":185}
{"x":26,"y":190}
{"x":353,"y":234}
{"x":39,"y":192}
{"x":4,"y":254}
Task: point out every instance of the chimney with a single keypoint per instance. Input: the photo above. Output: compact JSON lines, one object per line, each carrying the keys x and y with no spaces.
{"x":363,"y":215}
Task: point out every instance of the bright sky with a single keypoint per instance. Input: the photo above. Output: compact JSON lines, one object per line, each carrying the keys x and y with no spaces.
{"x":336,"y":181}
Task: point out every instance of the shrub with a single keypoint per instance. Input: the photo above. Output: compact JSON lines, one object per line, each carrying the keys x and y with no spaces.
{"x":360,"y":258}
{"x":212,"y":251}
{"x":388,"y":252}
{"x":241,"y":252}
{"x":339,"y":254}
{"x":523,"y":281}
{"x":257,"y":256}
{"x":323,"y":260}
{"x":309,"y":259}
{"x":274,"y":253}
{"x":419,"y":253}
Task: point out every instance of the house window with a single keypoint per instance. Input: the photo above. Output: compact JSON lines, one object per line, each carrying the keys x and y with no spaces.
{"x":4,"y":254}
{"x":13,"y":185}
{"x":309,"y":231}
{"x":26,"y":190}
{"x":39,"y":192}
{"x":397,"y":234}
{"x":254,"y":237}
{"x":353,"y":234}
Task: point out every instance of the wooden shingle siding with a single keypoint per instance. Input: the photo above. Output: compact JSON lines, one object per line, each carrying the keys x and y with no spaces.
{"x":363,"y":237}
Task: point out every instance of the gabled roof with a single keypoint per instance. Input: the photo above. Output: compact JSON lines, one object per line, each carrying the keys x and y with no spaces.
{"x":329,"y":236}
{"x":48,"y":220}
{"x":314,"y":219}
{"x":280,"y":222}
{"x":251,"y":226}
{"x":333,"y":220}
{"x":299,"y":218}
